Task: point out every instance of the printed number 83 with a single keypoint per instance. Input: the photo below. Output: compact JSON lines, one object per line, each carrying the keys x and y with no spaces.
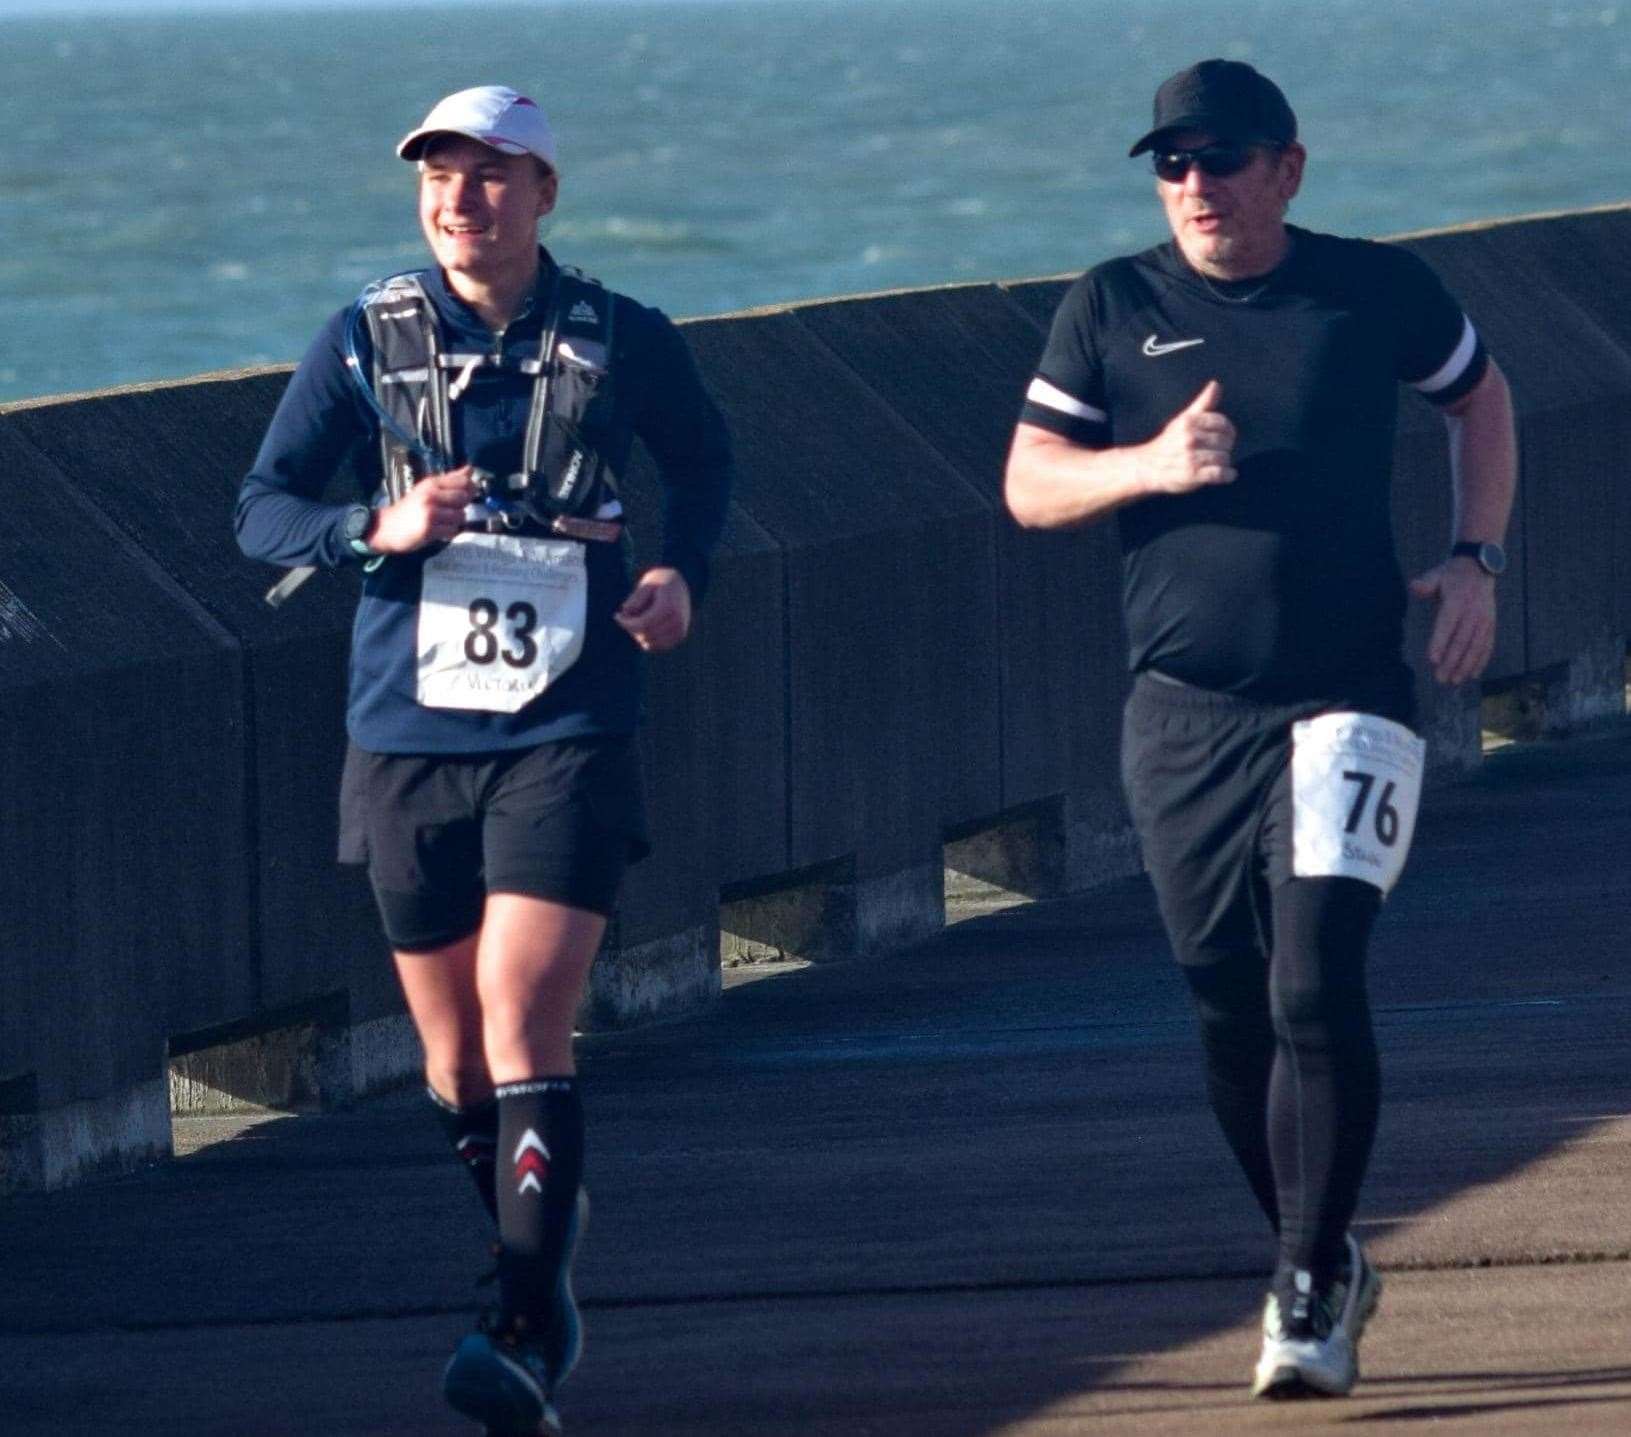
{"x":481,"y":644}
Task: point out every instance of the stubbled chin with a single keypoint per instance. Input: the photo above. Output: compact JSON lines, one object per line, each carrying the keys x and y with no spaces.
{"x":458,"y":252}
{"x":1205,"y":251}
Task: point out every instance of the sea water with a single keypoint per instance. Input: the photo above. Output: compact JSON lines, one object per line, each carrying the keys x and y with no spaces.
{"x":188,"y":191}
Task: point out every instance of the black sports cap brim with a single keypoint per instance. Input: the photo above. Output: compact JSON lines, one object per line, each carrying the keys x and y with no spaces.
{"x":1217,"y":126}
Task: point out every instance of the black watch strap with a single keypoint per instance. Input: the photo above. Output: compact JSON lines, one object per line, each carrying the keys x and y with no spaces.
{"x":1489,"y":556}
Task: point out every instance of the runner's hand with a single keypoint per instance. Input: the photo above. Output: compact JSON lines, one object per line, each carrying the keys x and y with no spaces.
{"x":1195,"y":450}
{"x":1463,"y":636}
{"x":430,"y":513}
{"x":657,"y":615}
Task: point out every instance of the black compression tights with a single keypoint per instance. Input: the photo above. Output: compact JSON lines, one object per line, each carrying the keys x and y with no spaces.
{"x":1291,"y":1063}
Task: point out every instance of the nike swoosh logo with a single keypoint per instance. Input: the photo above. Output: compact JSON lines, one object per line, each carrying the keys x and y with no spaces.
{"x":1155,"y":351}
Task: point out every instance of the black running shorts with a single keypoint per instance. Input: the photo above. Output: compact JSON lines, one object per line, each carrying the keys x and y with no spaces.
{"x":561,"y":822}
{"x":1208,"y":781}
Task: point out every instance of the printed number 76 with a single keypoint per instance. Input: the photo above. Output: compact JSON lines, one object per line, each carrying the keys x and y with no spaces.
{"x":1387,"y":816}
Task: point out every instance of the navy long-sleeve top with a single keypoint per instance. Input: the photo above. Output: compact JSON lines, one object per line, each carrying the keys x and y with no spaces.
{"x":322,"y":419}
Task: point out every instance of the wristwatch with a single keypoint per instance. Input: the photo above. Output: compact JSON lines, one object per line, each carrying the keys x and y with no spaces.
{"x":357,"y":519}
{"x":1490,"y":556}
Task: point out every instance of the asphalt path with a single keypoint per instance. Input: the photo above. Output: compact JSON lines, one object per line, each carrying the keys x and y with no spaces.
{"x":968,"y":1189}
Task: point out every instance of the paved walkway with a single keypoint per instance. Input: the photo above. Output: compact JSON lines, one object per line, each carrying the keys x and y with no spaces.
{"x":972,"y":1189}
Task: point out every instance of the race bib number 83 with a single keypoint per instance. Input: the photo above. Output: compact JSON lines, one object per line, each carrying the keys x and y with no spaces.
{"x":500,"y":618}
{"x":1355,"y":789}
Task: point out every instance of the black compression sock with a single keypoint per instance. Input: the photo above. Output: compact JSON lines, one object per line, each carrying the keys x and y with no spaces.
{"x":540,"y":1143}
{"x":473,"y":1134}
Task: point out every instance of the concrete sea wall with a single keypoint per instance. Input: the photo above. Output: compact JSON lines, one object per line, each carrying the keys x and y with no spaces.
{"x":888,"y":676}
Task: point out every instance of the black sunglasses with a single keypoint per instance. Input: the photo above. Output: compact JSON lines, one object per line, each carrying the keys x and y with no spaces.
{"x":1218,"y":160}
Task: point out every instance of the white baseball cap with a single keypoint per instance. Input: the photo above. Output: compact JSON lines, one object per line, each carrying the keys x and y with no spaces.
{"x":493,"y":114}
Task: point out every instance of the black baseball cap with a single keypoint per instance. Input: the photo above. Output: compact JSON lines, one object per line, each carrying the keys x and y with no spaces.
{"x":1226,"y":98}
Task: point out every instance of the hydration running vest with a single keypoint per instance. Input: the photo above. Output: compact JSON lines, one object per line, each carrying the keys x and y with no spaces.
{"x":570,"y":420}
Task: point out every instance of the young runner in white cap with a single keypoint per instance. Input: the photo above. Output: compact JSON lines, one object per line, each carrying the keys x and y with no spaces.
{"x":489,"y":404}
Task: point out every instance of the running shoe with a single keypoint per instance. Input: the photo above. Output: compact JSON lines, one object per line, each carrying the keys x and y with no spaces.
{"x":1311,"y":1339}
{"x":501,"y":1380}
{"x":505,"y":1374}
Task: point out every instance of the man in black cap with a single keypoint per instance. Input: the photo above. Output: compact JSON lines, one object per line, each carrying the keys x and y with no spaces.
{"x":1231,"y":398}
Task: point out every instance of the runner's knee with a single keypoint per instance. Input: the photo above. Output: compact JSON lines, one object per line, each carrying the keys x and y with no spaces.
{"x":1230,"y":994}
{"x":1322,"y":928}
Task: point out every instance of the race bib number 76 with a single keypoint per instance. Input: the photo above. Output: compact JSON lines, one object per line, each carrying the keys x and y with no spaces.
{"x":1355,"y":789}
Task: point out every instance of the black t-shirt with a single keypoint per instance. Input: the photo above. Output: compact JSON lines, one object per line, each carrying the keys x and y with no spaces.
{"x":1283,"y":585}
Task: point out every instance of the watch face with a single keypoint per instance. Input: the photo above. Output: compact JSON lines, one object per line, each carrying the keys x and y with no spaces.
{"x":1488,"y":555}
{"x":356,"y":523}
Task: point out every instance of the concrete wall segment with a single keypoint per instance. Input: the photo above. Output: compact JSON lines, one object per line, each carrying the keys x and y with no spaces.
{"x":1582,"y":257}
{"x":951,"y":362}
{"x":882,"y":541}
{"x":1554,"y":352}
{"x":942,"y":360}
{"x":316,"y":926}
{"x":716,"y":731}
{"x":1580,"y":253}
{"x":163,"y":463}
{"x":1038,"y":298}
{"x":954,"y":363}
{"x":123,"y":760}
{"x":1572,"y":477}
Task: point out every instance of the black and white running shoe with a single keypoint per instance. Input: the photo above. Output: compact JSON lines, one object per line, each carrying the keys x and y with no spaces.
{"x":1311,"y":1339}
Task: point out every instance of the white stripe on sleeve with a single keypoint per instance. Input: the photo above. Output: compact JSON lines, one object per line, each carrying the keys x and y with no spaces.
{"x":1041,"y":392}
{"x":1455,"y":366}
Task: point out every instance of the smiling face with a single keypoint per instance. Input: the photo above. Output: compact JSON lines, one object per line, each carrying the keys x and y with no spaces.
{"x":480,"y":209}
{"x":1232,"y":227}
